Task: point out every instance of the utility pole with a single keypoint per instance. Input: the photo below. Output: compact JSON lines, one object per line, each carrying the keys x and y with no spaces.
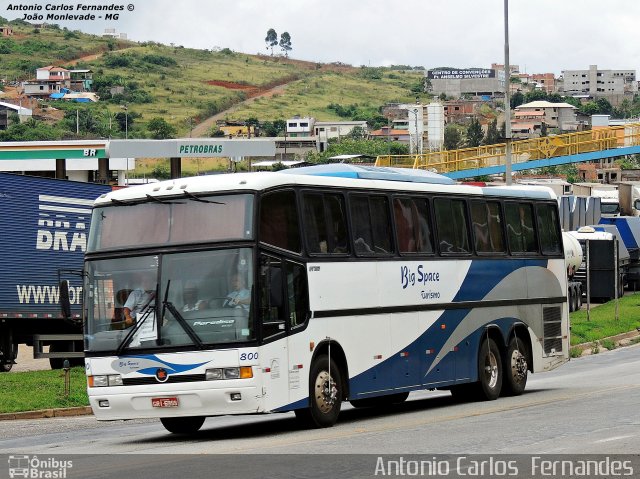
{"x":507,"y":96}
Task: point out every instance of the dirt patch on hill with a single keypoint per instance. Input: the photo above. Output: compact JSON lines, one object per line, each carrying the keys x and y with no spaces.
{"x":250,"y":90}
{"x":253,"y":91}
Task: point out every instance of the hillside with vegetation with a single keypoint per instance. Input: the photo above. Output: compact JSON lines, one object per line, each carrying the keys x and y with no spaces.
{"x":150,"y":90}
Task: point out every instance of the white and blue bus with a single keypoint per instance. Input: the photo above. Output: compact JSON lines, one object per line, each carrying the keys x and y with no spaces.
{"x":299,"y":290}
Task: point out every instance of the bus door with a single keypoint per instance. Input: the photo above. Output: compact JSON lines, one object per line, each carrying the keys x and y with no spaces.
{"x":283,"y":312}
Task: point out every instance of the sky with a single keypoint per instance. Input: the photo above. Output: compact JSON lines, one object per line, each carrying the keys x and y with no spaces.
{"x":545,"y":36}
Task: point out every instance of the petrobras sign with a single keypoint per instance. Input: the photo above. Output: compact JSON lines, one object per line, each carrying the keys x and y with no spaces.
{"x":460,"y":73}
{"x":192,"y":148}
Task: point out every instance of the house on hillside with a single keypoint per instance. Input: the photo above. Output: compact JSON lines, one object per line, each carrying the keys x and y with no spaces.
{"x":326,"y":130}
{"x":300,"y":127}
{"x":6,"y":109}
{"x":390,"y":134}
{"x":49,"y":79}
{"x":52,"y":79}
{"x":528,"y":118}
{"x":6,"y":31}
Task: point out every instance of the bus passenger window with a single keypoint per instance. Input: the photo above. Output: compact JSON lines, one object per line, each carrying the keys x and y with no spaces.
{"x":520,"y":231}
{"x":413,"y":225}
{"x":451,"y":220}
{"x":337,"y":224}
{"x":315,"y":226}
{"x":371,"y":225}
{"x":548,"y":228}
{"x":279,"y":220}
{"x":487,"y":227}
{"x":325,"y":223}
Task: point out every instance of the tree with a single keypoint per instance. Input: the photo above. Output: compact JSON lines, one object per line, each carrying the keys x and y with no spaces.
{"x":160,"y":129}
{"x":285,"y":43}
{"x":271,"y":40}
{"x":535,"y":95}
{"x":452,"y":138}
{"x":543,"y":130}
{"x":474,"y":133}
{"x":517,"y":99}
{"x":493,"y":136}
{"x":351,"y":146}
{"x":604,"y":107}
{"x":273,"y":128}
{"x":357,"y":133}
{"x":216,"y":132}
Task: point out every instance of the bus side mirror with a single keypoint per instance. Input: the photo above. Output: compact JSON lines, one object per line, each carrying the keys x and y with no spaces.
{"x":65,"y":304}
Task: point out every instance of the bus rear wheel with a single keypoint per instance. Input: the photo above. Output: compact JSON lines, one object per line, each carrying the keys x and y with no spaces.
{"x":325,"y":394}
{"x":182,"y":425}
{"x":489,"y":372}
{"x":515,"y":368}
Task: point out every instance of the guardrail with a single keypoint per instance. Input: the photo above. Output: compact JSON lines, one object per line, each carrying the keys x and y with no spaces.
{"x":522,"y":150}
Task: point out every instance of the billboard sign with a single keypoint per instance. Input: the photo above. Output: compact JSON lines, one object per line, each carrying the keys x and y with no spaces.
{"x":460,"y":73}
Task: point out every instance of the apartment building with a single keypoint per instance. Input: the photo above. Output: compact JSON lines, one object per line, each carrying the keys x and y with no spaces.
{"x":614,"y":85}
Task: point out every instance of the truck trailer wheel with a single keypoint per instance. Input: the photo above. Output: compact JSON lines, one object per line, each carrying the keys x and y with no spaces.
{"x":8,"y":353}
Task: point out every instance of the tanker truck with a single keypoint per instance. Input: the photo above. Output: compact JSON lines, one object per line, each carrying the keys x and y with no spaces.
{"x":572,"y":260}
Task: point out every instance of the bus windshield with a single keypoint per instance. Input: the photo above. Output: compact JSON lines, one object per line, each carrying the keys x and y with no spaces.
{"x":175,"y":220}
{"x":198,"y":299}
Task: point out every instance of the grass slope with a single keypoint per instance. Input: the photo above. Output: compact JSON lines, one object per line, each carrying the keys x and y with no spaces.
{"x":185,"y":86}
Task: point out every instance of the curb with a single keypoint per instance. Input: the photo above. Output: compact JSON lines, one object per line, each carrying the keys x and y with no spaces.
{"x":48,"y":413}
{"x":620,"y":340}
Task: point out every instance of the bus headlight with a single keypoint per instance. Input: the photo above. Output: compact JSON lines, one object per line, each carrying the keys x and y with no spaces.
{"x":231,"y":373}
{"x":213,"y":374}
{"x":244,"y":372}
{"x":104,"y":381}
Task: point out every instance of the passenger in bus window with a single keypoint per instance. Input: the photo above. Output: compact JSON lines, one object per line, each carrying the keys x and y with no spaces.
{"x":140,"y":299}
{"x":239,"y":296}
{"x":190,"y":298}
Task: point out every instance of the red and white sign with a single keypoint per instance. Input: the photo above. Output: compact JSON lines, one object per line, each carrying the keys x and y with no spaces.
{"x":164,"y":402}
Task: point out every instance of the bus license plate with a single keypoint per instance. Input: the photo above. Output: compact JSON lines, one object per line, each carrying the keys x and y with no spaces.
{"x":164,"y":402}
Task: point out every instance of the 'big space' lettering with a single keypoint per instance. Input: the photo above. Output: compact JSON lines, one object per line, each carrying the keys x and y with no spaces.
{"x":422,"y":277}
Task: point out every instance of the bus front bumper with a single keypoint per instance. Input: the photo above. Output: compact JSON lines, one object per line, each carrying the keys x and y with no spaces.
{"x":124,"y":403}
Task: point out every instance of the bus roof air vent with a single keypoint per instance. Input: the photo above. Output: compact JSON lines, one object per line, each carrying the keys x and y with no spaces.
{"x":342,"y":170}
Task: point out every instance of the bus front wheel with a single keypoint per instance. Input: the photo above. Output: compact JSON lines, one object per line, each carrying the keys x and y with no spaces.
{"x":325,"y":394}
{"x":489,"y":371}
{"x":182,"y":425}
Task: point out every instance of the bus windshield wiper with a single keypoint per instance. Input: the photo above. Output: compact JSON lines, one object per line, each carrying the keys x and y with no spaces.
{"x":166,"y":304}
{"x":147,"y":312}
{"x":201,"y":200}
{"x":164,"y":202}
